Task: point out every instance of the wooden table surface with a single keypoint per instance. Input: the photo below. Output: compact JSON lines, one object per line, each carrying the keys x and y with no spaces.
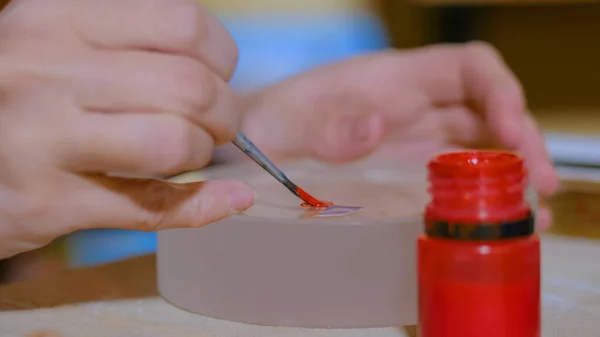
{"x":120,"y":299}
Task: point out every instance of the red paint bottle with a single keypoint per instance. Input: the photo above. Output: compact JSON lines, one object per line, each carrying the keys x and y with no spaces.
{"x":479,"y":259}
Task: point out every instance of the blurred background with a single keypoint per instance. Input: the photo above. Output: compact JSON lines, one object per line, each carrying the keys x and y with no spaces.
{"x":552,"y":45}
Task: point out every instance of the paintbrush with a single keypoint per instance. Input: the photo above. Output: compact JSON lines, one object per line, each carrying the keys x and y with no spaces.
{"x":327,"y":208}
{"x":244,"y":144}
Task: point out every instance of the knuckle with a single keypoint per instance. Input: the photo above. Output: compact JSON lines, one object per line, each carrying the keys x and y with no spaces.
{"x":190,"y":28}
{"x":176,"y":148}
{"x":197,"y":28}
{"x":231,"y":119}
{"x":516,"y":90}
{"x":482,"y":49}
{"x":234,"y":54}
{"x":195,"y":86}
{"x":229,"y":55}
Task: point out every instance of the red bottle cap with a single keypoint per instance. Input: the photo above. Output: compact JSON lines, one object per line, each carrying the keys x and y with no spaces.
{"x":477,"y":187}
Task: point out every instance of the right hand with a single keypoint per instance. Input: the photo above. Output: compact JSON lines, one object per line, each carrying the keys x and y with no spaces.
{"x":90,"y":87}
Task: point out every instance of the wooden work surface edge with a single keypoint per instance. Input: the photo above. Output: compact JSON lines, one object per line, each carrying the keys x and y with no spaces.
{"x":126,"y":279}
{"x":132,"y":278}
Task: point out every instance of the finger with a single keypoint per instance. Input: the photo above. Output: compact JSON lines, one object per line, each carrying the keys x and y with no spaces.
{"x":464,"y":129}
{"x":337,"y":136}
{"x":152,"y":205}
{"x":475,"y":74}
{"x":497,"y":95}
{"x":134,"y":143}
{"x":455,"y":125}
{"x":168,"y":26}
{"x":495,"y":91}
{"x":533,"y":149}
{"x":543,"y":219}
{"x":340,"y":136}
{"x":133,"y":81}
{"x":543,"y":216}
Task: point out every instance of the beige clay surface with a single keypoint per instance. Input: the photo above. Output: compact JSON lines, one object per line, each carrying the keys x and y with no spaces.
{"x":276,"y":265}
{"x":385,"y":192}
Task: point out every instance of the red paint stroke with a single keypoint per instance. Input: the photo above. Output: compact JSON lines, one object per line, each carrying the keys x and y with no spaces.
{"x":310,"y":201}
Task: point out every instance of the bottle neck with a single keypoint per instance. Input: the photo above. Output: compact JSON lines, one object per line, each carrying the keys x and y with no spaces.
{"x":478,"y":195}
{"x":477,"y":200}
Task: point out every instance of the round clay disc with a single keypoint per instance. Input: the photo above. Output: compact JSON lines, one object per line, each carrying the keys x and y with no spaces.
{"x":278,"y":264}
{"x":384,"y":193}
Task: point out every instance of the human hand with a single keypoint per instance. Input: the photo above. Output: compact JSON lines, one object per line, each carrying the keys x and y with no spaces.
{"x":403,"y":106}
{"x":90,"y":87}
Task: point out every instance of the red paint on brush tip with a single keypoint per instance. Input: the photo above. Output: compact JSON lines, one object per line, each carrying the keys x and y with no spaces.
{"x":310,"y":201}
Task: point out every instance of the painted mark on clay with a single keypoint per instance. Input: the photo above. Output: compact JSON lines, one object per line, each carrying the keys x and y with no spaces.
{"x":335,"y":210}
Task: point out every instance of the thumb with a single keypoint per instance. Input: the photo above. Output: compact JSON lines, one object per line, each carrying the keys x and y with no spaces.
{"x":152,"y":205}
{"x":334,"y":136}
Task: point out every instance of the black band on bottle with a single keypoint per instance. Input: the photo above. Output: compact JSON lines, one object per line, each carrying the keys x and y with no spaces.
{"x":483,"y":231}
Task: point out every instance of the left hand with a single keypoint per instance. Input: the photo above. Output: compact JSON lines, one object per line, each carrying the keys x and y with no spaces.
{"x":83,"y":97}
{"x":402,"y":105}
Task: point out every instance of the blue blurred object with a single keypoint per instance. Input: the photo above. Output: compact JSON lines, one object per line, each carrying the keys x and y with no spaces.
{"x":100,"y":246}
{"x":272,"y":48}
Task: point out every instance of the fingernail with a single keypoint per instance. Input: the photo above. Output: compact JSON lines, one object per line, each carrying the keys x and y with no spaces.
{"x":240,"y":200}
{"x":363,"y":127}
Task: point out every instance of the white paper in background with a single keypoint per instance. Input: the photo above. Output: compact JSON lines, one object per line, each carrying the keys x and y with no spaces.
{"x":573,"y":149}
{"x":588,"y":173}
